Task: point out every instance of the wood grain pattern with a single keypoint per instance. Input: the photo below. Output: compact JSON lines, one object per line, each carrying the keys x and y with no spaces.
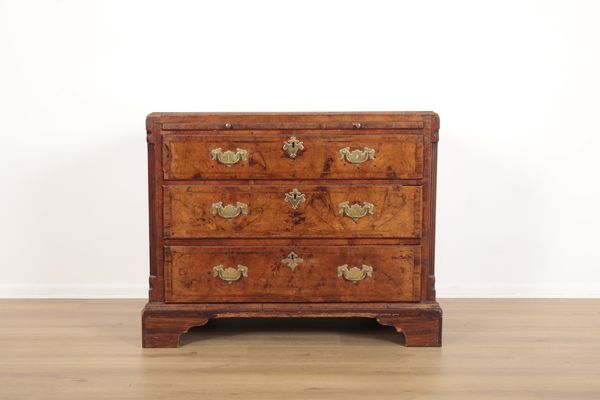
{"x":494,"y":349}
{"x":188,"y":156}
{"x":189,"y":274}
{"x":188,"y":211}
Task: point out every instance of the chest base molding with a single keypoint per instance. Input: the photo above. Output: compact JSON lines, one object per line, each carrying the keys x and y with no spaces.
{"x":163,"y":324}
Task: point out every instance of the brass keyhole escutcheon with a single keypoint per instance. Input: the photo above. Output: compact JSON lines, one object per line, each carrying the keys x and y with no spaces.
{"x":295,"y":197}
{"x":292,"y":146}
{"x":292,"y":260}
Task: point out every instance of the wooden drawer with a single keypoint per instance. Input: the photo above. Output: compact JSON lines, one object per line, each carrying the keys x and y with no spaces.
{"x":262,"y":274}
{"x":376,"y":211}
{"x":256,"y":155}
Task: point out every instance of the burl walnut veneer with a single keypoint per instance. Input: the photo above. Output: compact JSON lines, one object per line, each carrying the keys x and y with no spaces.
{"x":292,"y":215}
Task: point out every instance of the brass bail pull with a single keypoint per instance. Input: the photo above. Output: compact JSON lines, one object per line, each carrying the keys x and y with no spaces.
{"x":355,"y":274}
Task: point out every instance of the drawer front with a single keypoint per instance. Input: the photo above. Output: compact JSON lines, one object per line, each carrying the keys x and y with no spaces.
{"x":377,"y":211}
{"x":305,"y":155}
{"x":272,"y":274}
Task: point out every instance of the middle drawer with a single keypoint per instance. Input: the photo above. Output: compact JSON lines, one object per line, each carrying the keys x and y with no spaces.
{"x":370,"y":211}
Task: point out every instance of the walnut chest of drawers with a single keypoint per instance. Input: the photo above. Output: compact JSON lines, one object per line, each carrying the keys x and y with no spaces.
{"x":292,"y":215}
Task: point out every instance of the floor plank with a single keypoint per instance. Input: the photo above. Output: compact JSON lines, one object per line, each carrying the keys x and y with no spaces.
{"x":493,"y":349}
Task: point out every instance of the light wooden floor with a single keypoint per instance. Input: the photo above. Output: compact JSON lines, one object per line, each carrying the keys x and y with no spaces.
{"x":493,"y":349}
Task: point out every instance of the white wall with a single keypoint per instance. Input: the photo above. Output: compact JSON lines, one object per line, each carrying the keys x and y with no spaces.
{"x":516,"y":85}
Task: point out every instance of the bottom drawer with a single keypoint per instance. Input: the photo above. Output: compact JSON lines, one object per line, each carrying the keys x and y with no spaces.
{"x":292,"y":273}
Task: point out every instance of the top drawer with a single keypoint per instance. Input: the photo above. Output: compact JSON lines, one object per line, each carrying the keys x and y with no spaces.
{"x":293,"y":155}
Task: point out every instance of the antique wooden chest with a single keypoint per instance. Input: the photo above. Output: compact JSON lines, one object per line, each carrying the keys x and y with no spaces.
{"x":292,"y":215}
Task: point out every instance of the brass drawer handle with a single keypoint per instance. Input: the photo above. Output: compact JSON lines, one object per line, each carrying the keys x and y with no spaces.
{"x":357,"y":156}
{"x":230,"y":274}
{"x":292,"y":146}
{"x":356,"y":211}
{"x":229,"y":211}
{"x":355,"y":274}
{"x":295,"y":197}
{"x":229,"y":157}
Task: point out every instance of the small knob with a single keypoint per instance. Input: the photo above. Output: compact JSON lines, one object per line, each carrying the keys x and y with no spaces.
{"x":228,"y":125}
{"x":356,"y":125}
